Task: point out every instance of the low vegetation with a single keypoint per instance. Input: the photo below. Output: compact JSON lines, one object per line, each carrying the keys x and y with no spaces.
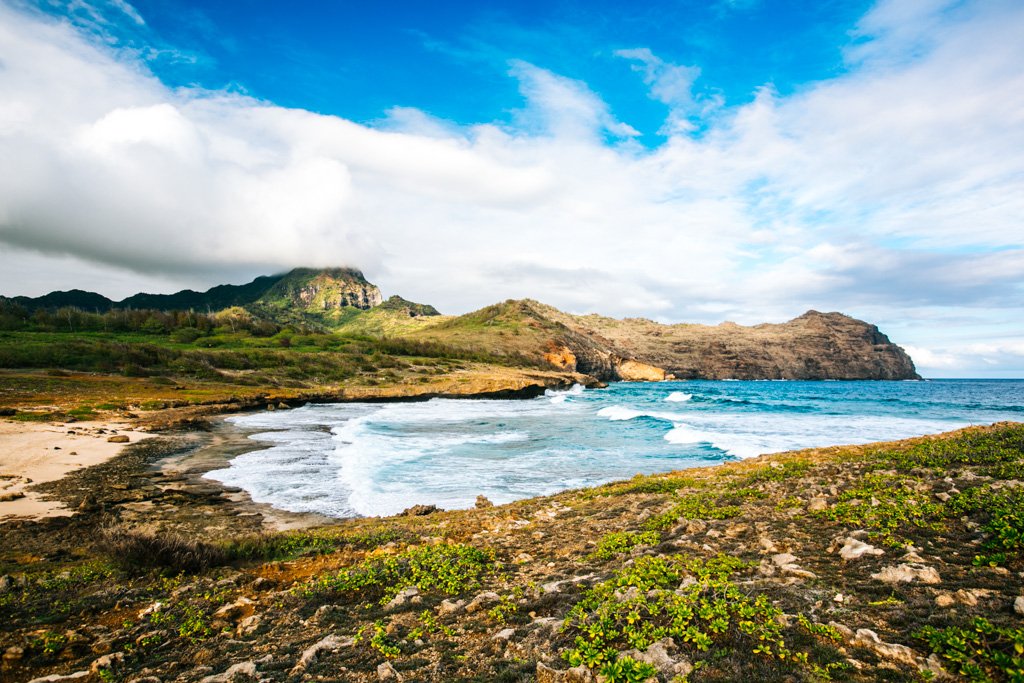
{"x":718,"y":574}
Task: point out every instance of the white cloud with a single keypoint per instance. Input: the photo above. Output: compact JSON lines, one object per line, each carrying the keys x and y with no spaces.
{"x":671,"y":84}
{"x":889,"y":192}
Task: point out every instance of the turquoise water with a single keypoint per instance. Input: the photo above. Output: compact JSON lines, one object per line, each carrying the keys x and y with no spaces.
{"x":377,"y":459}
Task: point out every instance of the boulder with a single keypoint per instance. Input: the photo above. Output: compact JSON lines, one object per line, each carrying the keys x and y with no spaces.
{"x":420,"y":510}
{"x":482,"y":600}
{"x":329,"y":644}
{"x":908,"y":573}
{"x":854,"y":549}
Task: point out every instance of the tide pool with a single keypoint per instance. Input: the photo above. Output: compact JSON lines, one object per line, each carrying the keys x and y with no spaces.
{"x":351,"y":459}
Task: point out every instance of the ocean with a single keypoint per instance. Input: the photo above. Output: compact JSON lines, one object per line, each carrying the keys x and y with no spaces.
{"x":362,"y":459}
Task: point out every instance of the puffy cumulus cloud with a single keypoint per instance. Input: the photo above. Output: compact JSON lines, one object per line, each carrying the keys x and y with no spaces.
{"x":891,"y":191}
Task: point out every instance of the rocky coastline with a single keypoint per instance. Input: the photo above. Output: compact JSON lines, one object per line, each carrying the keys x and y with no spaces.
{"x":856,"y":551}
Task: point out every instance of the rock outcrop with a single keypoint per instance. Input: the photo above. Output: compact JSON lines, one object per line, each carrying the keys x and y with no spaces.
{"x":812,"y":346}
{"x":318,"y":291}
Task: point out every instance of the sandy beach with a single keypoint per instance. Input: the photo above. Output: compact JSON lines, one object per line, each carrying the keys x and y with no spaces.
{"x":33,"y":453}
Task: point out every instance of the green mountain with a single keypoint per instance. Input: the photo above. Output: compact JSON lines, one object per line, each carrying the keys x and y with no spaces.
{"x":341,"y":300}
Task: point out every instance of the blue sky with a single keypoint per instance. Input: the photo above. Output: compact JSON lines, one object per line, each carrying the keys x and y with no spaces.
{"x":358,"y":60}
{"x":698,"y":161}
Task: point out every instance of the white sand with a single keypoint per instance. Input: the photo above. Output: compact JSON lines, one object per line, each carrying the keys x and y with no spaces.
{"x":32,"y":453}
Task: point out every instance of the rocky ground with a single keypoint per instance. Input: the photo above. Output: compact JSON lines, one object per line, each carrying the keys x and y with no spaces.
{"x":895,"y":562}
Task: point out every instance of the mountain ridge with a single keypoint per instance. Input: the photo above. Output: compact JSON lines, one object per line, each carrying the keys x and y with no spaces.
{"x":814,"y":345}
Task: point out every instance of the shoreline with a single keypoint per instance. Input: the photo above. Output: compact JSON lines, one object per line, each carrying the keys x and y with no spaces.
{"x":786,"y":520}
{"x":32,"y":454}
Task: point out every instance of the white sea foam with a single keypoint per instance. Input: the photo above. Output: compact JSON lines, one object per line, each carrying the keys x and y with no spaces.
{"x":621,"y":413}
{"x":561,"y":396}
{"x":375,"y":459}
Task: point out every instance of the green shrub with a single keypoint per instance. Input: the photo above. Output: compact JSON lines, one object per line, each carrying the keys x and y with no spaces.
{"x":622,"y":542}
{"x":448,"y":568}
{"x":645,"y":602}
{"x":980,"y":652}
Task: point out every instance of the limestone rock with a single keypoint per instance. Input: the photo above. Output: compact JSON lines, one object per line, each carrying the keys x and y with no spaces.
{"x":329,"y":644}
{"x":409,"y":594}
{"x":450,"y":607}
{"x":482,"y":600}
{"x":106,"y":662}
{"x":908,"y":573}
{"x":483,"y":502}
{"x":579,"y":674}
{"x":57,"y":678}
{"x":657,"y":655}
{"x":235,"y":672}
{"x":854,"y":549}
{"x":386,"y":672}
{"x":636,"y":371}
{"x":1018,"y":605}
{"x":420,"y":510}
{"x":890,"y":651}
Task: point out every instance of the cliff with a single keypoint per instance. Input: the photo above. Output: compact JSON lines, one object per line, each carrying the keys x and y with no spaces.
{"x":812,"y":346}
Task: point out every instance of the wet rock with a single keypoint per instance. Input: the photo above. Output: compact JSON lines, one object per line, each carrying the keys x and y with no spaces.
{"x":854,"y":549}
{"x":118,"y":438}
{"x":579,"y":674}
{"x":483,"y":502}
{"x":328,"y":644}
{"x":420,"y":510}
{"x":908,"y":573}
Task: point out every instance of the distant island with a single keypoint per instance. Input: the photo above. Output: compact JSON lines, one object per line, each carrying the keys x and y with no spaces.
{"x":272,"y":334}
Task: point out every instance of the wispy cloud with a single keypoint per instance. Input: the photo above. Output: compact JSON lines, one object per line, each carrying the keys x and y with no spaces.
{"x":892,"y":191}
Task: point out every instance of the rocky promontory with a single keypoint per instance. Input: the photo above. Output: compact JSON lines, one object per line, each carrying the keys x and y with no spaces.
{"x":812,"y":346}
